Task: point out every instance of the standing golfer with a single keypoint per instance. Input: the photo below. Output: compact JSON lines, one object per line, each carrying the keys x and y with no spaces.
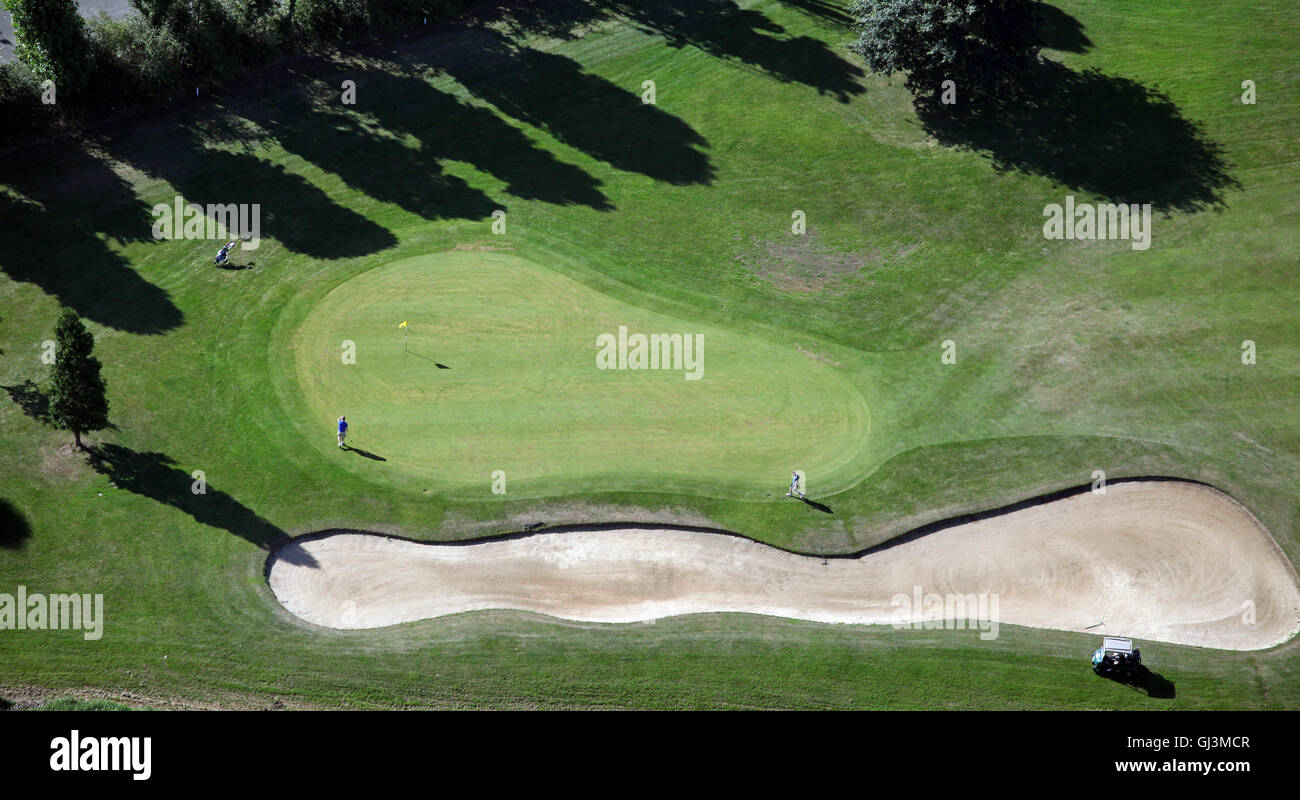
{"x":795,"y":488}
{"x":343,"y":429}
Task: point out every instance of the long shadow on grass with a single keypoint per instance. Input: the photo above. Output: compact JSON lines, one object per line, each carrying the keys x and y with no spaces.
{"x":453,"y":129}
{"x":822,"y":507}
{"x":292,"y":210}
{"x":61,"y":204}
{"x":1154,"y":684}
{"x":444,"y":127}
{"x":720,"y":28}
{"x":584,"y":111}
{"x":1103,"y":134}
{"x":1060,"y":31}
{"x":555,"y":19}
{"x":725,"y":30}
{"x":820,"y":9}
{"x":363,"y":453}
{"x":15,"y":530}
{"x":156,"y":476}
{"x":29,"y":397}
{"x":73,"y":184}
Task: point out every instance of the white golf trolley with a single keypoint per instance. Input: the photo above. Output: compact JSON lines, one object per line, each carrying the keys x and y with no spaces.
{"x":1117,"y":657}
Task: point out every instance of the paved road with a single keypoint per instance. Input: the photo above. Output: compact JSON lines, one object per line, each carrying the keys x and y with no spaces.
{"x":89,"y":8}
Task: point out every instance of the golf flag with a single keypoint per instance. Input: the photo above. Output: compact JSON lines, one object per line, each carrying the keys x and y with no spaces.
{"x":403,"y":325}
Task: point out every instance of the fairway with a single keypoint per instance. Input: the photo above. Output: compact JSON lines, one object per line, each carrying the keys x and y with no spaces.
{"x":500,"y":373}
{"x":528,"y":516}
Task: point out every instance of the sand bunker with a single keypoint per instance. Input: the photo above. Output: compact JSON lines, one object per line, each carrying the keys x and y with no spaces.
{"x":1159,"y":560}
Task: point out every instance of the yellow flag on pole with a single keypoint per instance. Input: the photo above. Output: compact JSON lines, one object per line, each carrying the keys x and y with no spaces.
{"x":403,"y":325}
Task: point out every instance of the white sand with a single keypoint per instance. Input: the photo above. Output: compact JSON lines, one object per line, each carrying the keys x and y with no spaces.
{"x":1167,"y":561}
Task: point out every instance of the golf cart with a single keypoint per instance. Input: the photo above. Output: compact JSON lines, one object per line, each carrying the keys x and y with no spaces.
{"x":1116,"y":657}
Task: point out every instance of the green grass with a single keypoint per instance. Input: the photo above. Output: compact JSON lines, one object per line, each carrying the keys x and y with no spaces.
{"x":73,"y":704}
{"x":1072,"y":356}
{"x":522,"y":393}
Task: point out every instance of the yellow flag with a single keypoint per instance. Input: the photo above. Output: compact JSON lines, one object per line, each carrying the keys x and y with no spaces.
{"x":403,"y":325}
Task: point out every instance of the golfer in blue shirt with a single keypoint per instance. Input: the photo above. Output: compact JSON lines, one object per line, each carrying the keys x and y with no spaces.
{"x":343,"y":429}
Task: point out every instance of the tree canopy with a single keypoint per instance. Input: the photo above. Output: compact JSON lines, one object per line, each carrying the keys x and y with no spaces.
{"x":50,"y":38}
{"x":979,"y":43}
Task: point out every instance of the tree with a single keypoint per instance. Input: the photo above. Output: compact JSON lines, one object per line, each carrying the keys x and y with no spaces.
{"x":50,"y":38}
{"x":155,"y":11}
{"x":982,"y":44}
{"x":251,"y":11}
{"x":78,"y":399}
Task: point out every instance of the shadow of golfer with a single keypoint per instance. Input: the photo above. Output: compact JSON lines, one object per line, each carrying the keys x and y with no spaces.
{"x":364,"y":453}
{"x":825,"y":509}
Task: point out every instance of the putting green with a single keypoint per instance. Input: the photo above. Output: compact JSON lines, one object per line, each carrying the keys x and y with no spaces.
{"x":501,"y":373}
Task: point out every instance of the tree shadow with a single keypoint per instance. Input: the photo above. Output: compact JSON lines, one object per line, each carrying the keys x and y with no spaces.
{"x":724,"y":30}
{"x":580,"y":109}
{"x":156,"y":476}
{"x":556,"y":19}
{"x":15,"y":530}
{"x":444,"y":127}
{"x":84,"y":188}
{"x":720,"y":28}
{"x":1106,"y":135}
{"x":383,"y":168}
{"x":292,"y":210}
{"x":1059,"y":31}
{"x":821,"y":9}
{"x":455,"y":130}
{"x":61,"y":201}
{"x":31,"y":399}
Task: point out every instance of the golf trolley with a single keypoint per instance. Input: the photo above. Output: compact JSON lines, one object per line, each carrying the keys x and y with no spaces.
{"x":222,"y":257}
{"x":1116,"y":657}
